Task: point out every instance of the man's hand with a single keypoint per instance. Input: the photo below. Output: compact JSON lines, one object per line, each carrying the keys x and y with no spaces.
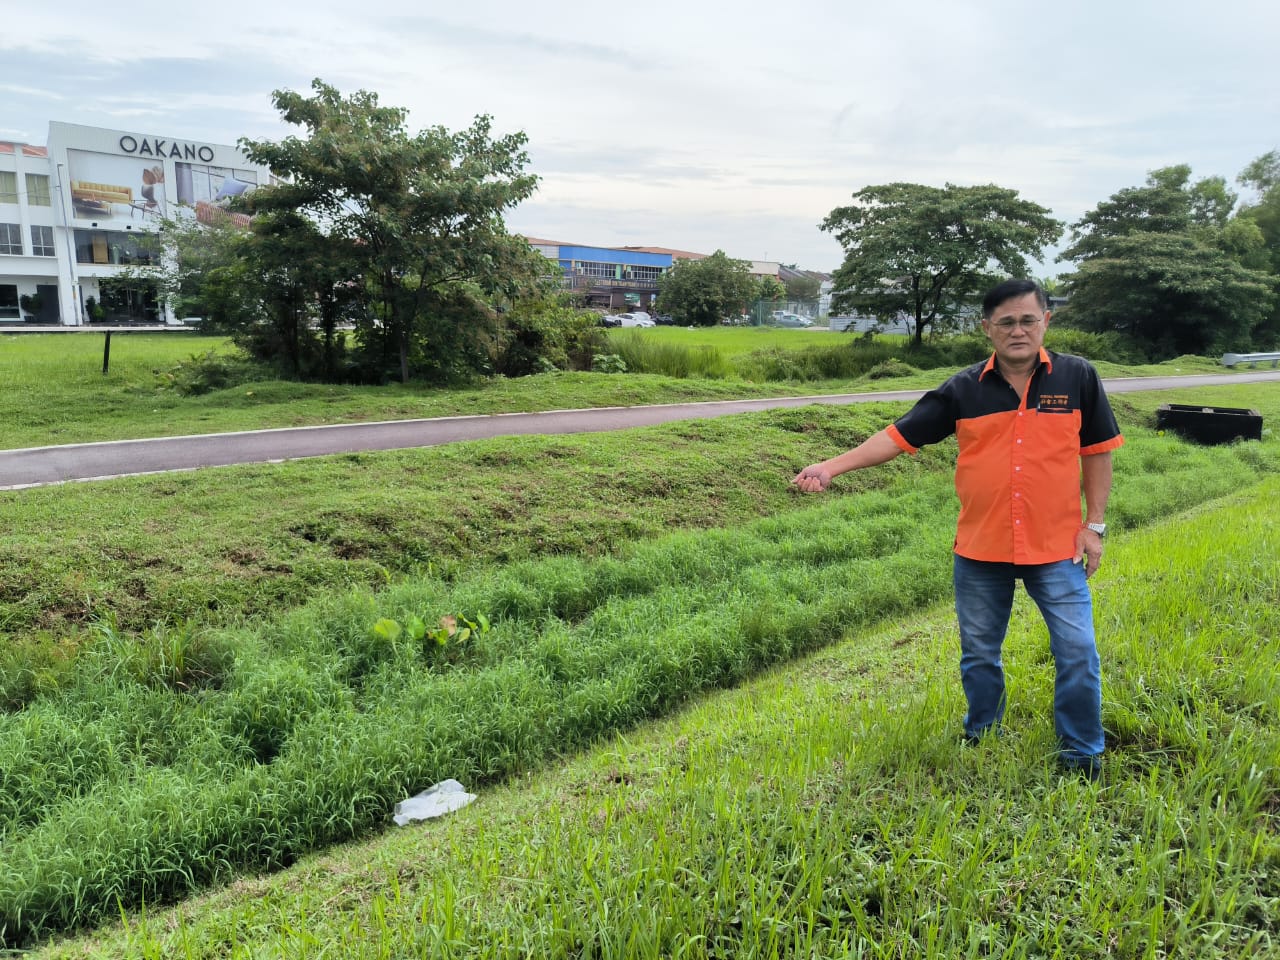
{"x":1088,"y":549}
{"x":812,"y":479}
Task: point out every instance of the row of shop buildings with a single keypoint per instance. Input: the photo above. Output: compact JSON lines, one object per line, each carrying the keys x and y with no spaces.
{"x":75,"y":214}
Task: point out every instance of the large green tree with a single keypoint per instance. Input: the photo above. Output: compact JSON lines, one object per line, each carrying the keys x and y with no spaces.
{"x":1263,"y":175}
{"x":1167,"y":264}
{"x":1263,"y":214}
{"x":414,"y":221}
{"x":309,"y":284}
{"x":703,"y":292}
{"x":925,"y":253}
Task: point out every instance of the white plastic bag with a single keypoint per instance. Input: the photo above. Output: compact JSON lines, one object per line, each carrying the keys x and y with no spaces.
{"x":435,"y":801}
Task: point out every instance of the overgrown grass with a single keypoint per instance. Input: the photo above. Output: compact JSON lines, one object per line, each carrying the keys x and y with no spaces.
{"x":645,"y":353}
{"x":171,"y":760}
{"x":829,"y":809}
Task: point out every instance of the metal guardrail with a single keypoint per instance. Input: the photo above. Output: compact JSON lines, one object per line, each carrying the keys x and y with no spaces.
{"x":1252,"y":359}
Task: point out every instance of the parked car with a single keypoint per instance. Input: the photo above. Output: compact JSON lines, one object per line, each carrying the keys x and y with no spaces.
{"x":639,"y":319}
{"x":791,"y":320}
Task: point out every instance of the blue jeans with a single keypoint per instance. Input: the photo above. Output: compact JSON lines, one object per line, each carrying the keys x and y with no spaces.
{"x":984,"y":600}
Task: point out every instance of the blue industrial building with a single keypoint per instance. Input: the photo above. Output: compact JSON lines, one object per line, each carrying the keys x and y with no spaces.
{"x":612,"y":277}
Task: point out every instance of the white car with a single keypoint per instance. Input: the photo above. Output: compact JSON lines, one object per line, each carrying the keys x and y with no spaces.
{"x":634,"y":320}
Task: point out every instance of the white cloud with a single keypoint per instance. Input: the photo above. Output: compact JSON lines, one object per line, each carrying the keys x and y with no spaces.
{"x":695,"y":125}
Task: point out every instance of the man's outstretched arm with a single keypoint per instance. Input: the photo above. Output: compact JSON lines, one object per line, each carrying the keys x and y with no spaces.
{"x":876,"y":449}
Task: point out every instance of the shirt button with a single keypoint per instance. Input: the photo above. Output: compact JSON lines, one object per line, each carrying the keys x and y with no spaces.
{"x":1016,"y":469}
{"x":1019,"y":439}
{"x":1016,"y":496}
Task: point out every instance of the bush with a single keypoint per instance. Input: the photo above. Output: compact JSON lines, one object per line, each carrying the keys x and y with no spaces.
{"x":608,"y":363}
{"x":893,"y":367}
{"x":537,"y":334}
{"x":203,"y":373}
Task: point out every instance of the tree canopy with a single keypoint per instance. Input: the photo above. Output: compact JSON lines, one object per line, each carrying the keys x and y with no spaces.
{"x":1169,"y":265}
{"x":1263,"y":212}
{"x":770,"y":288}
{"x":402,"y":233}
{"x":703,"y":292}
{"x":926,"y":253}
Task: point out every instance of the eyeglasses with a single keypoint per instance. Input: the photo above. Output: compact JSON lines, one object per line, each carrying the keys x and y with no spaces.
{"x":1006,"y":326}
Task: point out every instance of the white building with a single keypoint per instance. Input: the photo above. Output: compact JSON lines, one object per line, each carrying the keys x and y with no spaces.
{"x":73,"y":214}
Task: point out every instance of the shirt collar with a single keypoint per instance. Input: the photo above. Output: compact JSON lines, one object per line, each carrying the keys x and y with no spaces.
{"x":1045,"y":359}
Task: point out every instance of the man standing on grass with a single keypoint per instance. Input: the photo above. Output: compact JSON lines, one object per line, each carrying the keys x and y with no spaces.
{"x":1034,"y":428}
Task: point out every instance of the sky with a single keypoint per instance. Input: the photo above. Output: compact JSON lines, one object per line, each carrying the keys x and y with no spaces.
{"x":697,"y":125}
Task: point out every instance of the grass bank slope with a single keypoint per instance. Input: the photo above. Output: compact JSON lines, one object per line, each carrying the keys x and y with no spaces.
{"x":829,"y":809}
{"x":167,"y":762}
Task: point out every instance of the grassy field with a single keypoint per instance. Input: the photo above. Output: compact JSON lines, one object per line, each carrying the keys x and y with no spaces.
{"x":217,"y":673}
{"x":55,"y":391}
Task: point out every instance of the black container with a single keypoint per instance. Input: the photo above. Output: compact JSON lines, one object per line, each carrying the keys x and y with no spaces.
{"x":1209,"y":425}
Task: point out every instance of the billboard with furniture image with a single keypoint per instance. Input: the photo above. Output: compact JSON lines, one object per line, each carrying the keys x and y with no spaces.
{"x":211,"y":189}
{"x":107,"y":187}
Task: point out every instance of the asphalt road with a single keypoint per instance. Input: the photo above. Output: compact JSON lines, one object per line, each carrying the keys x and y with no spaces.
{"x":38,"y":466}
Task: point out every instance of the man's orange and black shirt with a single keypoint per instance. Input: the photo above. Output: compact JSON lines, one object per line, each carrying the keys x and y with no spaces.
{"x":1018,"y":470}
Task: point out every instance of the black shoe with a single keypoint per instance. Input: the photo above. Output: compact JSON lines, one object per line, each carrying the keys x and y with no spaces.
{"x":973,"y":739}
{"x":1090,"y":770}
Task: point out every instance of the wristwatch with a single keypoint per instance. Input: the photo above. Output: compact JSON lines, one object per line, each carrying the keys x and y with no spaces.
{"x":1099,"y":528}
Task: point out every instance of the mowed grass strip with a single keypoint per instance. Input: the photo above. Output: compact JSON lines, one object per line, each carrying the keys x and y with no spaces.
{"x":55,"y":392}
{"x":218,"y":545}
{"x":241,"y":542}
{"x":828,"y":808}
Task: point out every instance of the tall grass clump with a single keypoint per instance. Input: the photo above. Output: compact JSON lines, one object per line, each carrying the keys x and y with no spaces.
{"x":643,"y":354}
{"x":850,"y":358}
{"x":218,"y":368}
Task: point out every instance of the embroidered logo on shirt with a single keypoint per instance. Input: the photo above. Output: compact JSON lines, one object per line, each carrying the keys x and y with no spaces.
{"x":1054,"y":403}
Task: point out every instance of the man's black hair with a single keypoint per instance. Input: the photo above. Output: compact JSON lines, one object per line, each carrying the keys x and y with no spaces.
{"x":1008,"y":291}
